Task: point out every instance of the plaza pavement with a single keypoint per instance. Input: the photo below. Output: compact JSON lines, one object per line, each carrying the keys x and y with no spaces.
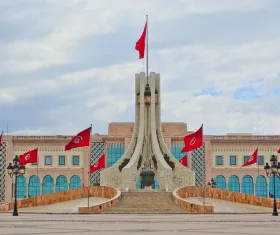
{"x":187,"y":224}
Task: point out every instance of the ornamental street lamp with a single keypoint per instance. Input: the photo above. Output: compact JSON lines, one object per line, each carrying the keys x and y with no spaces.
{"x":15,"y":170}
{"x":273,"y":169}
{"x":212,"y":183}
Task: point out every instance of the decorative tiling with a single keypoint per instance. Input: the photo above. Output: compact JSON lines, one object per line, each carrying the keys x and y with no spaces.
{"x":2,"y":171}
{"x":198,"y":165}
{"x":96,"y":151}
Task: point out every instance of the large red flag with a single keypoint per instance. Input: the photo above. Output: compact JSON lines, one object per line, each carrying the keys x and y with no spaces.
{"x":29,"y":157}
{"x":100,"y":164}
{"x":82,"y":139}
{"x":278,"y":150}
{"x":140,"y":44}
{"x":184,"y":161}
{"x":193,"y":141}
{"x":253,"y":159}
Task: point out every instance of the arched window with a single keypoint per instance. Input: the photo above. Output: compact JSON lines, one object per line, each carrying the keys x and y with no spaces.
{"x":220,"y":182}
{"x":247,"y":185}
{"x":48,"y":185}
{"x":138,"y":183}
{"x":233,"y":184}
{"x":21,"y":187}
{"x":61,"y":184}
{"x":34,"y":186}
{"x":75,"y":182}
{"x":277,"y":186}
{"x":261,"y":187}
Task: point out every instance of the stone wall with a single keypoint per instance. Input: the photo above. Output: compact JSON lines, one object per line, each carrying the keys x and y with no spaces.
{"x":180,"y":194}
{"x":112,"y":194}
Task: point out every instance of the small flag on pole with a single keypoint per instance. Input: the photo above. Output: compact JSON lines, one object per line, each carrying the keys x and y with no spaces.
{"x":82,"y":139}
{"x":253,"y":159}
{"x":184,"y":161}
{"x":100,"y":164}
{"x":193,"y":141}
{"x":1,"y":138}
{"x":29,"y":157}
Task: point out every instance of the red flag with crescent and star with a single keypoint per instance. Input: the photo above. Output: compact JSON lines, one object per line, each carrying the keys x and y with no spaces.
{"x":278,"y":150}
{"x":100,"y":164}
{"x":29,"y":157}
{"x":184,"y":161}
{"x":140,"y":44}
{"x":82,"y":139}
{"x":193,"y":141}
{"x":253,"y":159}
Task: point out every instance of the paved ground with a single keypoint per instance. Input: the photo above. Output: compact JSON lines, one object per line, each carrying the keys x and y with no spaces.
{"x":65,"y":207}
{"x":222,"y":206}
{"x":30,"y":224}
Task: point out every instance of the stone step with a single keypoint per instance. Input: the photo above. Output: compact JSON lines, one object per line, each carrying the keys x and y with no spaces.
{"x":145,"y":202}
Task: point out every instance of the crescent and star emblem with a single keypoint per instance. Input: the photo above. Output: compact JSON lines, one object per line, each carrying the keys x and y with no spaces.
{"x":78,"y":139}
{"x":193,"y":140}
{"x":27,"y":157}
{"x":251,"y":158}
{"x":96,"y":165}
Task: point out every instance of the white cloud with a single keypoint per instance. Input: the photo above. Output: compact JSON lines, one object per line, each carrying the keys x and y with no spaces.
{"x":53,"y":61}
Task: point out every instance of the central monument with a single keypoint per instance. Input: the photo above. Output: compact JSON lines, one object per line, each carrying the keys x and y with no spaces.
{"x":147,"y":151}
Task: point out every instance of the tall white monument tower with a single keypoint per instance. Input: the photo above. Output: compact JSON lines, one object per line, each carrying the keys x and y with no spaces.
{"x":147,"y":149}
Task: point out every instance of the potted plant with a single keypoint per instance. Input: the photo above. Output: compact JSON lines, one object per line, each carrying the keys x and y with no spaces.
{"x":156,"y":96}
{"x":138,"y":97}
{"x":147,"y":94}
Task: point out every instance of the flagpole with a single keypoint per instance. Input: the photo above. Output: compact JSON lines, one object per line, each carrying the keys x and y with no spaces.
{"x":89,"y":161}
{"x":147,"y":49}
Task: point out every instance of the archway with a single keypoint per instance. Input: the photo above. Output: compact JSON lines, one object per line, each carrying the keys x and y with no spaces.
{"x":220,"y":182}
{"x":34,"y":186}
{"x":48,"y":185}
{"x":233,"y":184}
{"x":61,"y":184}
{"x":261,"y":186}
{"x":247,"y":185}
{"x":75,"y":182}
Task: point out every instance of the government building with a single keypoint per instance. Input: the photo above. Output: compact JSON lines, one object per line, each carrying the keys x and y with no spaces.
{"x":145,"y":144}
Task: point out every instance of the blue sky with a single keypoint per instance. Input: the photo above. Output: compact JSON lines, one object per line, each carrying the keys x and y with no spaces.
{"x":65,"y":64}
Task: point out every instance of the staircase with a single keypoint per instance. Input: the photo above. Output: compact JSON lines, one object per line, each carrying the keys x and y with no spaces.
{"x":146,"y":202}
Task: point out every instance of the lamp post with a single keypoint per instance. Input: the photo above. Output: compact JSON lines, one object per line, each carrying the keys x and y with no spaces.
{"x":212,"y":183}
{"x":273,"y":169}
{"x":14,"y":169}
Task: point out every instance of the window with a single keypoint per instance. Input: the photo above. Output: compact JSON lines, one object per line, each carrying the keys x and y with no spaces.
{"x":76,"y":160}
{"x":48,"y":160}
{"x":246,"y":159}
{"x":219,"y":160}
{"x":260,"y":160}
{"x":232,"y":160}
{"x":61,"y":160}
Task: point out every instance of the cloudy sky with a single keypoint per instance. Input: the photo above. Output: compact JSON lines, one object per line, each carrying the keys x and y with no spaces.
{"x":65,"y":64}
